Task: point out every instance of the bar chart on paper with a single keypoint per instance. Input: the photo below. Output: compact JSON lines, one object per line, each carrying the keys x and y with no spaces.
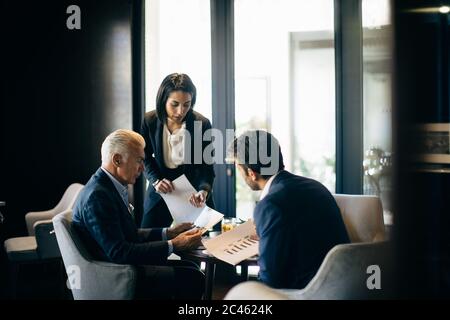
{"x":239,"y":245}
{"x":234,"y":246}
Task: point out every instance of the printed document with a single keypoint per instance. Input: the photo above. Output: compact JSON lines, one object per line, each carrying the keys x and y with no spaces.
{"x":183,"y":211}
{"x":234,"y":246}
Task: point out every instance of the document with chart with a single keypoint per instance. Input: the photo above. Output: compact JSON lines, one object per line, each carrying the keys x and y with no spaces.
{"x":183,"y":211}
{"x":234,"y":246}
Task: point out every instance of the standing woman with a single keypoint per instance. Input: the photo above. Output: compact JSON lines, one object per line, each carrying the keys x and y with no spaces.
{"x":168,"y":154}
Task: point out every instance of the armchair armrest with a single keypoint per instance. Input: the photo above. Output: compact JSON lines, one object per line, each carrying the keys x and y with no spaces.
{"x":47,"y":245}
{"x":32,"y":217}
{"x":252,"y":290}
{"x":96,"y":284}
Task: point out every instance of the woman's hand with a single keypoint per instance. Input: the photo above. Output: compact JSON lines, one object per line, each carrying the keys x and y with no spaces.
{"x":198,"y":199}
{"x":164,"y":186}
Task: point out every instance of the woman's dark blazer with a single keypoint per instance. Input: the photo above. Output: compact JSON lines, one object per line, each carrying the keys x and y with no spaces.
{"x":201,"y":175}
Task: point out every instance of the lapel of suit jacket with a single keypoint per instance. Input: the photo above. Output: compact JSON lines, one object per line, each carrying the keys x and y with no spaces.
{"x":159,"y":157}
{"x":190,"y":128}
{"x":108,"y":184}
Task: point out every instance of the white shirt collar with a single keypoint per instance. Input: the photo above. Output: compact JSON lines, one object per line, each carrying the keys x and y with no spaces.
{"x":176,"y":131}
{"x":266,"y":188}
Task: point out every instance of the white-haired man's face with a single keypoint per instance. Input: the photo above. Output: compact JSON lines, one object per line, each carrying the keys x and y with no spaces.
{"x":130,"y":167}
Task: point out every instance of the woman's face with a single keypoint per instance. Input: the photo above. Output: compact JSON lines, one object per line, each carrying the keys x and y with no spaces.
{"x":177,"y":106}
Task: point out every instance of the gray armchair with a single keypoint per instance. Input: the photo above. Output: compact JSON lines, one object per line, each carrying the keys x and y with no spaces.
{"x":90,"y":279}
{"x":40,"y":245}
{"x":344,"y":274}
{"x":41,"y":242}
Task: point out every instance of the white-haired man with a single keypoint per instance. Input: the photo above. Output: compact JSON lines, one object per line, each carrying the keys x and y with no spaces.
{"x":102,"y":217}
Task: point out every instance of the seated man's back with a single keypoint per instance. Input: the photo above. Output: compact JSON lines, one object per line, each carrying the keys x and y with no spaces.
{"x":298,"y":222}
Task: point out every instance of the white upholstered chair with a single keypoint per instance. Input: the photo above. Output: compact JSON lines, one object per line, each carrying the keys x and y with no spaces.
{"x":344,"y":274}
{"x":67,"y":201}
{"x":90,"y":279}
{"x":41,"y":242}
{"x":363,"y":217}
{"x":40,"y":245}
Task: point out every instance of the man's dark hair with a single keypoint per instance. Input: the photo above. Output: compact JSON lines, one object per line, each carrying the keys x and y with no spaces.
{"x":258,"y":150}
{"x":173,"y":82}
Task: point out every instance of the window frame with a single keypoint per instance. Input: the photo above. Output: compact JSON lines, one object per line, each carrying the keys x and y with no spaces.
{"x":349,"y":97}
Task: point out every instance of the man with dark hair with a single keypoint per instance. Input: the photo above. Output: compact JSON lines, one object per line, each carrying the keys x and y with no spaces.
{"x":297,"y":219}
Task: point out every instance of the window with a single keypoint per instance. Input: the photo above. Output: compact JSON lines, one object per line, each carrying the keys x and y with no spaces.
{"x":377,"y":104}
{"x":284,"y":83}
{"x":178,"y":39}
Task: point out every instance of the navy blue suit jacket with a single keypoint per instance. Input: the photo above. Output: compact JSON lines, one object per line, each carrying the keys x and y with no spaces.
{"x":108,"y":230}
{"x":298,"y":222}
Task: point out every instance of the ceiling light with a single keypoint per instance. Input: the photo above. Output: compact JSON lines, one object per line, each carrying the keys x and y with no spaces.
{"x":444,"y":9}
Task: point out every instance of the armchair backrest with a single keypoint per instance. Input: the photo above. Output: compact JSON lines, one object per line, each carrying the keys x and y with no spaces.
{"x":68,"y":199}
{"x":363,"y":217}
{"x":351,"y":271}
{"x":90,"y":279}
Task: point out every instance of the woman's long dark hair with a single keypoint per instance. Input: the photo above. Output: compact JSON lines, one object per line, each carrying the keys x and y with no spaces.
{"x":173,"y":82}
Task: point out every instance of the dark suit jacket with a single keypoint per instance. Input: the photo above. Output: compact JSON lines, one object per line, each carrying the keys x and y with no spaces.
{"x":298,"y":222}
{"x":108,"y":229}
{"x":201,"y":176}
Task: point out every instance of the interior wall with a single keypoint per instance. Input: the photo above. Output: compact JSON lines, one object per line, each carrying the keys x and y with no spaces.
{"x":421,"y":91}
{"x":63,"y":91}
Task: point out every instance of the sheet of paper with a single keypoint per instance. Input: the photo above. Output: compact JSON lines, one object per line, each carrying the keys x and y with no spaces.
{"x":234,"y":246}
{"x":208,"y":218}
{"x":183,"y":211}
